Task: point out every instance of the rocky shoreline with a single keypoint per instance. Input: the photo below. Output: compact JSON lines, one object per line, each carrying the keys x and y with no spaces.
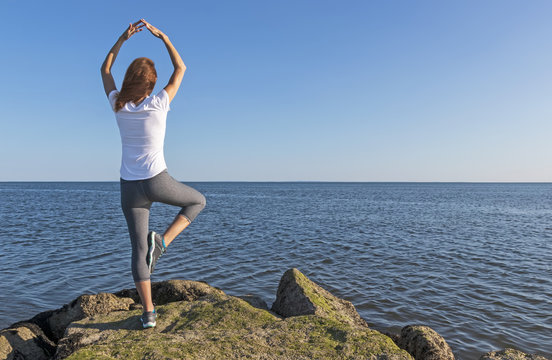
{"x":198,"y":321}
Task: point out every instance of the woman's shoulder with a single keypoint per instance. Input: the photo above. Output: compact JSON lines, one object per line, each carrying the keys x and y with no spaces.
{"x":113,"y":93}
{"x":112,"y":96}
{"x":161,"y":95}
{"x":161,"y":100}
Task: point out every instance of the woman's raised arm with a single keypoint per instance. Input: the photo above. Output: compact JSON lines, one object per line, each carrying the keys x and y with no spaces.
{"x":107,"y":78}
{"x":178,"y":64}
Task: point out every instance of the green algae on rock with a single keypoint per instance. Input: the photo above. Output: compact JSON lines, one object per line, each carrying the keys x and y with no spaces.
{"x":510,"y":354}
{"x":220,"y":326}
{"x":173,"y":290}
{"x":423,"y":342}
{"x":198,"y":321}
{"x":298,"y":295}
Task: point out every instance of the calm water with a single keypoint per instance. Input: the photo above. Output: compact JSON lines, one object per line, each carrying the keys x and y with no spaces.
{"x":473,"y":261}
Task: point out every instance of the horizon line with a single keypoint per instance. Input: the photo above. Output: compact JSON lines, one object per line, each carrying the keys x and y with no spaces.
{"x":296,"y":181}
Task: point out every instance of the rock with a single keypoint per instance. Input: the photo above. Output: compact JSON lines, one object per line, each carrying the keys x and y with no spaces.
{"x":394,"y":336}
{"x":254,"y":301}
{"x":25,"y":341}
{"x":298,"y":295}
{"x":82,"y":307}
{"x":71,"y":343}
{"x":220,"y":326}
{"x":424,"y":343}
{"x":41,"y":320}
{"x":198,"y":321}
{"x":173,"y":290}
{"x":510,"y":354}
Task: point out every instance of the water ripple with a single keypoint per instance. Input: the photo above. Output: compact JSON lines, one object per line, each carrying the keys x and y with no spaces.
{"x":473,"y":261}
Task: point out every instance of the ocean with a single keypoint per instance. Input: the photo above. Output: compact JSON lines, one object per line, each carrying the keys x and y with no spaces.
{"x":471,"y":260}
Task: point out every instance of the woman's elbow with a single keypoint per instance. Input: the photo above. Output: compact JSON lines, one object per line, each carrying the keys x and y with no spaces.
{"x":104,"y":70}
{"x":180,"y":70}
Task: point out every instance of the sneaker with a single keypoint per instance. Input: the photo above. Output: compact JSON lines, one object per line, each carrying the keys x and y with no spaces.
{"x":148,"y":319}
{"x":156,"y":248}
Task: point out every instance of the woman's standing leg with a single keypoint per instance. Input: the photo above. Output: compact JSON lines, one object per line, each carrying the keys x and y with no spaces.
{"x":136,"y":208}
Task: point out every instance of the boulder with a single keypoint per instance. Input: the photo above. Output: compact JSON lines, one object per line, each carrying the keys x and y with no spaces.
{"x":25,"y":341}
{"x":198,"y":321}
{"x":80,"y":308}
{"x":220,"y":326}
{"x":298,"y":295}
{"x":424,"y":343}
{"x":510,"y":354}
{"x":168,"y":291}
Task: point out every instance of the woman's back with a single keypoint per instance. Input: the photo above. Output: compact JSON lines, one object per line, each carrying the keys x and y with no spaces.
{"x":142,"y":129}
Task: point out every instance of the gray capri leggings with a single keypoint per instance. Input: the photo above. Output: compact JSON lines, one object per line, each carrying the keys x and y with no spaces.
{"x":136,"y":199}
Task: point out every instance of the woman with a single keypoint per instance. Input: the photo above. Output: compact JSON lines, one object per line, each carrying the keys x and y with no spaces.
{"x":141,"y":118}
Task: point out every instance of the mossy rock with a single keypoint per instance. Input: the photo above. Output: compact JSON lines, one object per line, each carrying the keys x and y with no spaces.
{"x":219,"y":326}
{"x":423,"y":342}
{"x":82,"y":307}
{"x":298,"y":295}
{"x":510,"y":354}
{"x":167,"y":291}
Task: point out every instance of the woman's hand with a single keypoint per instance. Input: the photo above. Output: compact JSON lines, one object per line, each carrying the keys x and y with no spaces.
{"x":132,"y":29}
{"x":153,"y":30}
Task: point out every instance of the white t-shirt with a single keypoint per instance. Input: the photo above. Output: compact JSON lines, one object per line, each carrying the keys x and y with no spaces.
{"x":142,"y":129}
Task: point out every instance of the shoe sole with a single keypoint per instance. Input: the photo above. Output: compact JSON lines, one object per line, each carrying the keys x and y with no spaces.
{"x":148,"y":325}
{"x":151,"y":249}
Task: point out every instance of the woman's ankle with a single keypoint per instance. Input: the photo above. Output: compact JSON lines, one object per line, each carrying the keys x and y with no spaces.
{"x":166,"y":240}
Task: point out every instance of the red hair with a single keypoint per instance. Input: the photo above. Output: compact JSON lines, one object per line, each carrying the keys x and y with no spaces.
{"x":140,"y":78}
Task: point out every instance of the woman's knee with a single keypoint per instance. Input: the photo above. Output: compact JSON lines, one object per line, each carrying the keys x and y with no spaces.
{"x":203,"y":201}
{"x":140,"y":271}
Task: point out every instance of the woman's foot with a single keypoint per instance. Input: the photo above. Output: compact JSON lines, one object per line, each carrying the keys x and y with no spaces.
{"x":156,"y":248}
{"x":148,"y":319}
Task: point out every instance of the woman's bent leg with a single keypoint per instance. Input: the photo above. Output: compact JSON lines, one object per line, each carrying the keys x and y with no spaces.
{"x":163,"y":188}
{"x":178,"y":225}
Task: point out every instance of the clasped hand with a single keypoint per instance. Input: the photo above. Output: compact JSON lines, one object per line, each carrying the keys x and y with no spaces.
{"x":137,"y":27}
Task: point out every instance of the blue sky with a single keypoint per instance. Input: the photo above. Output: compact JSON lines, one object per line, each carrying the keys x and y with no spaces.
{"x":288,"y":90}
